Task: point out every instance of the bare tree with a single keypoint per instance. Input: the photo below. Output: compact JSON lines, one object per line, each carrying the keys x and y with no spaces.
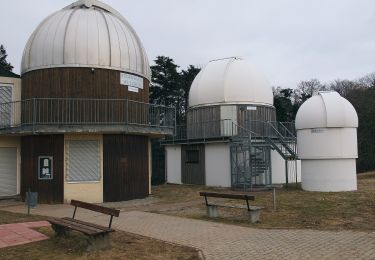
{"x":308,"y":88}
{"x":343,"y":87}
{"x":368,"y":80}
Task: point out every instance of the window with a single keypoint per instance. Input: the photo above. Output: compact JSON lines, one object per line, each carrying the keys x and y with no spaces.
{"x":192,"y":156}
{"x":5,"y":105}
{"x":83,"y":161}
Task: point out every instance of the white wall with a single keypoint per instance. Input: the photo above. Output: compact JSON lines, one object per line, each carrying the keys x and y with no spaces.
{"x":278,"y":169}
{"x":173,"y":163}
{"x":329,"y":175}
{"x":322,"y":143}
{"x":228,"y":114}
{"x":217,"y":165}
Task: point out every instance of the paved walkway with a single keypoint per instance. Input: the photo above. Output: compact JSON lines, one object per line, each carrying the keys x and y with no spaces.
{"x":21,"y":233}
{"x":221,"y":241}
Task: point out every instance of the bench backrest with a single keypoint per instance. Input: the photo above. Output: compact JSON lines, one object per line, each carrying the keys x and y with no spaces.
{"x":97,"y":208}
{"x":227,"y":195}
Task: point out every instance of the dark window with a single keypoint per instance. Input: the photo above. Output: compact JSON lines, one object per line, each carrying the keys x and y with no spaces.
{"x":192,"y":156}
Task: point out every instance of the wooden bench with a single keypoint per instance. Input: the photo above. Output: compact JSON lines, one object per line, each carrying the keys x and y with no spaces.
{"x":97,"y":235}
{"x":253,"y":211}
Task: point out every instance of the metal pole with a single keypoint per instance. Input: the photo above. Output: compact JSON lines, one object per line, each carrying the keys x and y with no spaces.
{"x":175,"y":121}
{"x":34,"y":115}
{"x":286,"y":173}
{"x":28,"y":202}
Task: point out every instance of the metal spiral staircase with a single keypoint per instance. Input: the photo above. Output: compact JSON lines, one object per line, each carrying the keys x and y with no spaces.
{"x":251,"y":155}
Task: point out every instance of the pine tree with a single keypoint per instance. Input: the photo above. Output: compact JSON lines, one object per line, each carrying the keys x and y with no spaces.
{"x":3,"y":59}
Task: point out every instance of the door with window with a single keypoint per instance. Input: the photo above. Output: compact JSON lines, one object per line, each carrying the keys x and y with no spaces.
{"x":193,"y":164}
{"x":5,"y":106}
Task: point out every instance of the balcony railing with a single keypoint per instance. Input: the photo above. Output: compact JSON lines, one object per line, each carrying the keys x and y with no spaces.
{"x":228,"y":128}
{"x":75,"y":112}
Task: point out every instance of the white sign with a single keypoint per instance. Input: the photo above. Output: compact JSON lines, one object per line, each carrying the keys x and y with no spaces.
{"x":133,"y":89}
{"x":131,"y":80}
{"x":251,"y":108}
{"x":318,"y":130}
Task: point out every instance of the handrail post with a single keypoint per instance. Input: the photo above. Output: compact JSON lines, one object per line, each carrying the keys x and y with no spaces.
{"x":34,"y":113}
{"x":175,"y":121}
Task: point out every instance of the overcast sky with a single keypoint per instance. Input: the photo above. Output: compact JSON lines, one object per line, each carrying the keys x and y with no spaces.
{"x":289,"y":40}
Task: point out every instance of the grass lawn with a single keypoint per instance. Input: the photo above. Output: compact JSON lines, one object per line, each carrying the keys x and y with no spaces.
{"x":124,"y":245}
{"x":296,"y":208}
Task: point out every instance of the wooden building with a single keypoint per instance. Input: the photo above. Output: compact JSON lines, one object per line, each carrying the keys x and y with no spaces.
{"x":82,"y":120}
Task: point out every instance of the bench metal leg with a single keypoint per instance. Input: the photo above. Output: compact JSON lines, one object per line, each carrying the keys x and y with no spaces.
{"x":98,"y":242}
{"x":60,"y":231}
{"x":212,"y":211}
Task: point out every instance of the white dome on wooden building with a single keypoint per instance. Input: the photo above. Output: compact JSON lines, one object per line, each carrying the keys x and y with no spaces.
{"x":230,"y":81}
{"x":87,"y":33}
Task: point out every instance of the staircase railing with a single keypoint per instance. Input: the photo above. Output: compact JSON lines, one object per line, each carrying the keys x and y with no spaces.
{"x":292,"y":152}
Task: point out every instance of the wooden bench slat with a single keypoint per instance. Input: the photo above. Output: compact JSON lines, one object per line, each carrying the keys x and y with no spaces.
{"x":97,"y":208}
{"x":89,"y":224}
{"x":227,"y":195}
{"x":73,"y":225}
{"x":77,"y":226}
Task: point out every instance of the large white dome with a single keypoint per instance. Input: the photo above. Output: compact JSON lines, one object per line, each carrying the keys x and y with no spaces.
{"x":87,"y":33}
{"x":230,"y":81}
{"x":327,"y":109}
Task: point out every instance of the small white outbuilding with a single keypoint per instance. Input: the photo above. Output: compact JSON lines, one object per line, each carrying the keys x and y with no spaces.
{"x":231,"y":123}
{"x":327,"y":143}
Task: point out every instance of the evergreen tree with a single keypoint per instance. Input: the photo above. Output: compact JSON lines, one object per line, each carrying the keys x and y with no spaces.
{"x":3,"y":59}
{"x":170,"y":87}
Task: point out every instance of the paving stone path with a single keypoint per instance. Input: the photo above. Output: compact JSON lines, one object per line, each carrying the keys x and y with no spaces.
{"x":222,"y":241}
{"x":21,"y":233}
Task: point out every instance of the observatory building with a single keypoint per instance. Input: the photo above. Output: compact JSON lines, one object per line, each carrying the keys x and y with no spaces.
{"x":80,"y":125}
{"x":232,"y":138}
{"x":327,"y":143}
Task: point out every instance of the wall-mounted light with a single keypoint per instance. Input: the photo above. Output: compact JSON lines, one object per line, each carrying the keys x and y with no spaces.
{"x":92,"y":70}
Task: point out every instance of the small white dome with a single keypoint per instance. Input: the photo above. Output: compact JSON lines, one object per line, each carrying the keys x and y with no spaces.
{"x":327,"y":109}
{"x":87,"y":33}
{"x":230,"y":81}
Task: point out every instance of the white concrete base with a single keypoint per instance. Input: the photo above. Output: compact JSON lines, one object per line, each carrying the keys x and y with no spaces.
{"x":212,"y":211}
{"x":329,"y":175}
{"x":254,"y":214}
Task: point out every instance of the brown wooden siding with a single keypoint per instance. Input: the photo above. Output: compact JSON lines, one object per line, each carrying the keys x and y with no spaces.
{"x":203,"y":122}
{"x":126,"y":167}
{"x":82,"y":83}
{"x":79,"y":83}
{"x":193,"y":173}
{"x":49,"y":191}
{"x":255,"y":120}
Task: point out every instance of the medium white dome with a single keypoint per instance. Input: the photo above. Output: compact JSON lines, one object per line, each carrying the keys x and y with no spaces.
{"x":327,"y":109}
{"x":230,"y":81}
{"x":87,"y":33}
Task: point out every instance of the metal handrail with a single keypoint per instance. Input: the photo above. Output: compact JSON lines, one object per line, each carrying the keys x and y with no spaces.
{"x":84,"y":111}
{"x":287,"y":130}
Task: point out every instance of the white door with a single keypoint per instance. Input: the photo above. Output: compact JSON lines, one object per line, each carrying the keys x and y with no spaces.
{"x":8,"y":171}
